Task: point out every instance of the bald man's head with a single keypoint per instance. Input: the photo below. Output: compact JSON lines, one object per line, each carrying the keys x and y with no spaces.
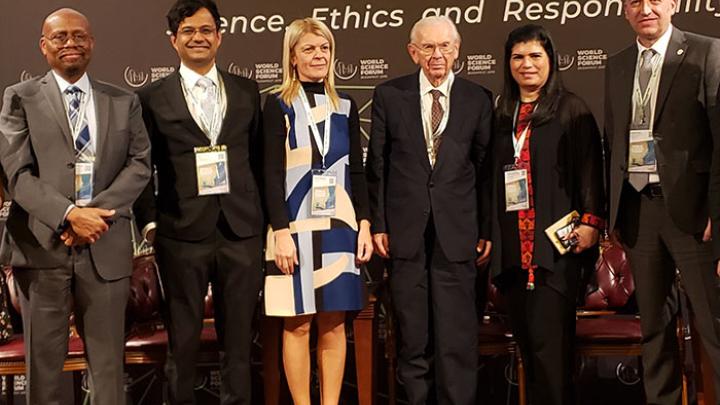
{"x":67,"y":43}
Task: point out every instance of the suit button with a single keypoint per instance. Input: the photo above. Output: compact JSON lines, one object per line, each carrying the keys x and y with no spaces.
{"x":426,"y":212}
{"x":432,"y":184}
{"x":71,"y":165}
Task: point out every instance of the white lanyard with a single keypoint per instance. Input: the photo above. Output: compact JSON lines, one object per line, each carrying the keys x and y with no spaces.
{"x":75,"y":129}
{"x":443,"y":122}
{"x":518,"y":143}
{"x":323,"y":144}
{"x":210,"y":124}
{"x":642,"y":99}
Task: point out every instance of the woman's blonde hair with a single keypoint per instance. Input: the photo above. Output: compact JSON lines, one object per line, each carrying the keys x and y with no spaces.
{"x":290,"y":86}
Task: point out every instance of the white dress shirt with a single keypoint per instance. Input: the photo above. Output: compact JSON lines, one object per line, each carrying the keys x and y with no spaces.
{"x":660,"y":47}
{"x":190,"y":79}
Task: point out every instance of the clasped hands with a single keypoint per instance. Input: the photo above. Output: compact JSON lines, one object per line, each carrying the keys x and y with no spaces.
{"x":86,"y":225}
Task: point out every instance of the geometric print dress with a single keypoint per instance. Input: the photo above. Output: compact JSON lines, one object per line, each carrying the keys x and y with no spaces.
{"x":326,"y":278}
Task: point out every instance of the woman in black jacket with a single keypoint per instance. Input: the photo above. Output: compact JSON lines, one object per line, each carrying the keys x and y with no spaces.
{"x":547,"y":163}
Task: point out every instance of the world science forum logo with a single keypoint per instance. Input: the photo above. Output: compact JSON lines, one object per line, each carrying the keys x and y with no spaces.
{"x":345,"y":71}
{"x":135,"y":78}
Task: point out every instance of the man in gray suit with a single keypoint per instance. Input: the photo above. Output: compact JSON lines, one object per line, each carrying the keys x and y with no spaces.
{"x":76,"y":155}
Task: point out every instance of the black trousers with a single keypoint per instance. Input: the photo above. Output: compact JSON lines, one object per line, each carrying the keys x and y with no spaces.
{"x":47,"y":298}
{"x":656,"y":247}
{"x":543,"y":324}
{"x":434,"y":301}
{"x":233,"y":266}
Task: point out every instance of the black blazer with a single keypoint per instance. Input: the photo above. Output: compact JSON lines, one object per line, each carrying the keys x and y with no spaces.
{"x":686,"y":130}
{"x":405,"y":190}
{"x":567,"y":174}
{"x":179,"y":211}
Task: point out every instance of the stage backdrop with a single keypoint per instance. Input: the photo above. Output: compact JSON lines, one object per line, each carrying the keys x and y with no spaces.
{"x":132,"y":47}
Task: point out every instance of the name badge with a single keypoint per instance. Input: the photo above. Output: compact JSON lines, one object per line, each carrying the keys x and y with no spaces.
{"x":516,"y":189}
{"x":641,"y":152}
{"x":323,"y":193}
{"x":83,"y":183}
{"x":211,"y":170}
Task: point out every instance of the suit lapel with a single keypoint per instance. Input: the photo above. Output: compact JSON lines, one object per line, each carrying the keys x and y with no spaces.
{"x":57,"y":106}
{"x":454,"y":123}
{"x":102,"y":111}
{"x":412,"y":115}
{"x":673,"y":59}
{"x":176,"y":101}
{"x":623,"y":90}
{"x":231,"y":100}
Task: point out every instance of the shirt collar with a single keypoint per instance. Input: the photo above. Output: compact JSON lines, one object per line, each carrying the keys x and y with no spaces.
{"x":190,"y":77}
{"x":661,"y":45}
{"x":83,"y":83}
{"x":426,"y":86}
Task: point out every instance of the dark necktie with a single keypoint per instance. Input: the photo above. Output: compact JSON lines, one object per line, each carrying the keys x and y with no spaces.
{"x":435,"y":119}
{"x":642,"y":112}
{"x":74,"y":97}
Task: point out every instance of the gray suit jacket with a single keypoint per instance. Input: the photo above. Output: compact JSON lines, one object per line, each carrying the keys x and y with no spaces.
{"x":38,"y":155}
{"x":686,"y":130}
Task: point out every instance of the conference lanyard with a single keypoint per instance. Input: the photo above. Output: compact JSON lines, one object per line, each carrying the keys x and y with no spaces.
{"x":211,"y":125}
{"x":518,"y":143}
{"x":641,"y":99}
{"x":323,"y":144}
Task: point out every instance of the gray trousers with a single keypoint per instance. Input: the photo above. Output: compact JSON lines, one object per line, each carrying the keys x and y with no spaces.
{"x":47,"y":297}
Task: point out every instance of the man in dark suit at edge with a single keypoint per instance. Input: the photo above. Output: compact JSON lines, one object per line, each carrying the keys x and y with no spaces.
{"x":429,"y":137}
{"x":204,"y":125}
{"x":662,"y":126}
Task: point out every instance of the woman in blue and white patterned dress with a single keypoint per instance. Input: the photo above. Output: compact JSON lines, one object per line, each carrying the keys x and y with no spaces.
{"x":318,"y":208}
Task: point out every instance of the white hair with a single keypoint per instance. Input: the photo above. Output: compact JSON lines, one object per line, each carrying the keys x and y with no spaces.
{"x":433,"y":20}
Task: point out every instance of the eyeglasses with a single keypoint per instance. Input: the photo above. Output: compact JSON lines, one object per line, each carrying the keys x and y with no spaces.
{"x":60,"y":39}
{"x":429,"y":49}
{"x":191,"y":31}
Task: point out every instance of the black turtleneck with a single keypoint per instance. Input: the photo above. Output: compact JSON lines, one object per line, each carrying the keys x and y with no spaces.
{"x":275,"y":135}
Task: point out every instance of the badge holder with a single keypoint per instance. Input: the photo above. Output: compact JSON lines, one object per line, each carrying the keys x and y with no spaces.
{"x":641,"y":152}
{"x":211,"y":170}
{"x":516,"y":189}
{"x":84,"y":176}
{"x":323,"y":193}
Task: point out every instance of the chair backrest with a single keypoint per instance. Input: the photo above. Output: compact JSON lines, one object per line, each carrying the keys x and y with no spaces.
{"x":612,"y":283}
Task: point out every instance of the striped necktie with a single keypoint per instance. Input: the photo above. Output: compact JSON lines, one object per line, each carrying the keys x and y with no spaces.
{"x":74,"y":96}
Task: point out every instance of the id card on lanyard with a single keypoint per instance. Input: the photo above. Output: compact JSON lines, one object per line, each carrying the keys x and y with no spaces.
{"x":641,"y":145}
{"x":211,"y":170}
{"x":84,"y":159}
{"x":517,"y":197}
{"x":322,"y":195}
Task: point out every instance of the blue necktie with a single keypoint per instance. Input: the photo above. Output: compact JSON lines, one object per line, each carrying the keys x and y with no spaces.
{"x":74,"y":97}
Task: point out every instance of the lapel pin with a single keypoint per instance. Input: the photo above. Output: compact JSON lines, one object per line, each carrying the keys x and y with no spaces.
{"x":680,"y":52}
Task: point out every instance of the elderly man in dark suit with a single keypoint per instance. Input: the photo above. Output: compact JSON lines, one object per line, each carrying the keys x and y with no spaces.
{"x":662,"y":126}
{"x":204,"y":125}
{"x":430,"y":134}
{"x":76,"y":155}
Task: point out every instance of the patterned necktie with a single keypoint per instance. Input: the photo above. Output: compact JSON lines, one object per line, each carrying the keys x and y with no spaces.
{"x":642,"y":112}
{"x":205,"y":91}
{"x":435,"y":119}
{"x":74,"y":96}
